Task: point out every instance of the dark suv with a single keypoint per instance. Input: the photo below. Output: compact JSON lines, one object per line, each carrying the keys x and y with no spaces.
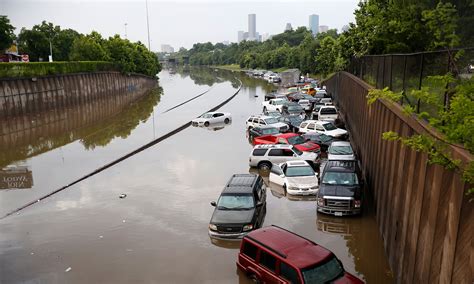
{"x":240,"y":208}
{"x":341,"y":189}
{"x":292,"y":108}
{"x":275,"y":255}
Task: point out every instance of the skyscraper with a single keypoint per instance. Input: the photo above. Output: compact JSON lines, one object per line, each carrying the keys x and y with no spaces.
{"x":314,"y":24}
{"x":252,"y":27}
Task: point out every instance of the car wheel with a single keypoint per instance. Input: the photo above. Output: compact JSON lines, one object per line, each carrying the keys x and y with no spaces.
{"x":226,"y":121}
{"x":206,"y":123}
{"x":264,"y":109}
{"x":278,"y":110}
{"x":266,"y":166}
{"x":284,"y":189}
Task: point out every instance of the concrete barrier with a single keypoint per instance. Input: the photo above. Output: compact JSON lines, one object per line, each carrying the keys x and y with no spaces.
{"x":20,"y":96}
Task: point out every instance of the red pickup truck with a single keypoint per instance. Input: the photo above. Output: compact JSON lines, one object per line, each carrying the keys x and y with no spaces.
{"x":288,"y":138}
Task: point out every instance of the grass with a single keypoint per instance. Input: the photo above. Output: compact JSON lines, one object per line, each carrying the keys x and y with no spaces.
{"x":232,"y":67}
{"x":34,"y":69}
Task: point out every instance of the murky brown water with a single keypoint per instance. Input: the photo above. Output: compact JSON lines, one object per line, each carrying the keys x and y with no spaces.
{"x":158,"y":233}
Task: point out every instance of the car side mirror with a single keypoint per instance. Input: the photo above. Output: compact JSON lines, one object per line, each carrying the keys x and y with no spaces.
{"x":213,"y":203}
{"x":294,"y":155}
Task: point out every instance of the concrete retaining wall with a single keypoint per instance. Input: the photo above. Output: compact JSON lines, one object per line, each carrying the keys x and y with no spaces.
{"x":423,"y":214}
{"x":31,"y":95}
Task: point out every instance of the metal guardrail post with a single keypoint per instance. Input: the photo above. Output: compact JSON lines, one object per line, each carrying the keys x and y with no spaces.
{"x":421,"y":79}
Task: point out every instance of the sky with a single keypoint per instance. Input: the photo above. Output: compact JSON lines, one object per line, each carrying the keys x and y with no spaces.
{"x":178,"y":23}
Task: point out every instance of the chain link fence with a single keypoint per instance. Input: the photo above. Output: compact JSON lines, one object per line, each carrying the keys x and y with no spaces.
{"x":407,"y":72}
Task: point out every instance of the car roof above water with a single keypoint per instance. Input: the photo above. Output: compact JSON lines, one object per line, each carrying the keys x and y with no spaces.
{"x":295,"y":249}
{"x":341,"y":166}
{"x":241,"y":183}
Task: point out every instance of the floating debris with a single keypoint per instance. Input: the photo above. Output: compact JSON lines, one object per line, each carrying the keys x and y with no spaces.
{"x":68,"y":269}
{"x":123,"y":195}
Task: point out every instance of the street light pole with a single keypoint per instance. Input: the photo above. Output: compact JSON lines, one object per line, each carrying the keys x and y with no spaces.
{"x":147,"y":24}
{"x":50,"y":50}
{"x":126,"y":30}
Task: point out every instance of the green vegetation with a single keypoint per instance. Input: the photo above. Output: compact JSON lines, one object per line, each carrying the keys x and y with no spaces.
{"x":69,"y":45}
{"x":34,"y":69}
{"x":6,"y":33}
{"x":456,"y":123}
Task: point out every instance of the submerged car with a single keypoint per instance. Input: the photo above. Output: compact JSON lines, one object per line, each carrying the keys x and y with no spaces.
{"x":212,"y":117}
{"x":276,"y":255}
{"x":341,"y":150}
{"x":296,"y":177}
{"x":322,"y":140}
{"x":293,"y":121}
{"x":323,"y":127}
{"x":262,"y":131}
{"x":240,"y":209}
{"x":288,"y":138}
{"x":341,"y":189}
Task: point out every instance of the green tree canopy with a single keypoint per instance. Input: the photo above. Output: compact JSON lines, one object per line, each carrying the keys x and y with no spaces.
{"x":7,"y":35}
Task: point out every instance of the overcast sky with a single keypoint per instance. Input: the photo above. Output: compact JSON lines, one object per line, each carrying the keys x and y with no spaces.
{"x":178,"y":23}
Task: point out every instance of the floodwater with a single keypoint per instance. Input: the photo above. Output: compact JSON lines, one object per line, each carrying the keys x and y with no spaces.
{"x":158,"y":232}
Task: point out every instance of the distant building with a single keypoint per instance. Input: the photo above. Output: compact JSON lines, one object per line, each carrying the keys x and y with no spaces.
{"x":314,"y":24}
{"x":225,"y":42}
{"x":240,"y":36}
{"x":253,"y":27}
{"x":345,"y":28}
{"x":266,"y":36}
{"x":323,"y":29}
{"x":288,"y":27}
{"x":167,"y":48}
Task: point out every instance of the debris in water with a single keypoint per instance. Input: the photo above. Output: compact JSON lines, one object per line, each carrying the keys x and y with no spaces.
{"x":101,"y":237}
{"x":68,"y":269}
{"x":123,"y":221}
{"x":123,"y":195}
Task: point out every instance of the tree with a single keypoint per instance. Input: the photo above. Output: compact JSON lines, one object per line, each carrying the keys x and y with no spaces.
{"x":36,"y":42}
{"x":86,"y":48}
{"x":6,"y":33}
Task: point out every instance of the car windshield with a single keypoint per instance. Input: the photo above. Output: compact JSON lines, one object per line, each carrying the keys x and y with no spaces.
{"x":324,"y":138}
{"x":206,"y":115}
{"x":279,"y":102}
{"x":232,"y":202}
{"x":325,"y":273}
{"x":295,"y":108}
{"x":271,"y":120}
{"x":295,"y":140}
{"x":338,"y":178}
{"x":299,"y":171}
{"x":329,"y":126}
{"x":340,"y":150}
{"x":270,"y":131}
{"x":295,"y":120}
{"x":328,"y":111}
{"x":298,"y":152}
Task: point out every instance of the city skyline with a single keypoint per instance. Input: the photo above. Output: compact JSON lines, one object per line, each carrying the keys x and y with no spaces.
{"x":217,"y":21}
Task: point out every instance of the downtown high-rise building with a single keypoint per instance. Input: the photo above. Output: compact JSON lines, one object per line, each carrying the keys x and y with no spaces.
{"x":252,"y":34}
{"x":252,"y":27}
{"x":314,"y":24}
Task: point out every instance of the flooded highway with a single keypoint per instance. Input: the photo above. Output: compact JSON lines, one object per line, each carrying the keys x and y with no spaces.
{"x":158,"y":233}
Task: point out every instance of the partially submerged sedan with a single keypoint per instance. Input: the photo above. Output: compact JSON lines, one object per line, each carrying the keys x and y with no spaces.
{"x":209,"y":118}
{"x":296,"y":177}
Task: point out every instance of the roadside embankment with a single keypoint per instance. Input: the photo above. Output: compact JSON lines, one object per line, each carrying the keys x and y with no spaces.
{"x":20,"y":96}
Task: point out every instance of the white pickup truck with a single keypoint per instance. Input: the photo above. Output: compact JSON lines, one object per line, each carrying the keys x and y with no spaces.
{"x":273,"y":105}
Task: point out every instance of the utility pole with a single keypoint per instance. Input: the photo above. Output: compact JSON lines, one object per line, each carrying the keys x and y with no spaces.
{"x":126,"y":30}
{"x":147,"y":24}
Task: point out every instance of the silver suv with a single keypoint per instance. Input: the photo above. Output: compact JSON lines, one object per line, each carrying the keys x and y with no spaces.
{"x":263,"y":156}
{"x":260,"y":120}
